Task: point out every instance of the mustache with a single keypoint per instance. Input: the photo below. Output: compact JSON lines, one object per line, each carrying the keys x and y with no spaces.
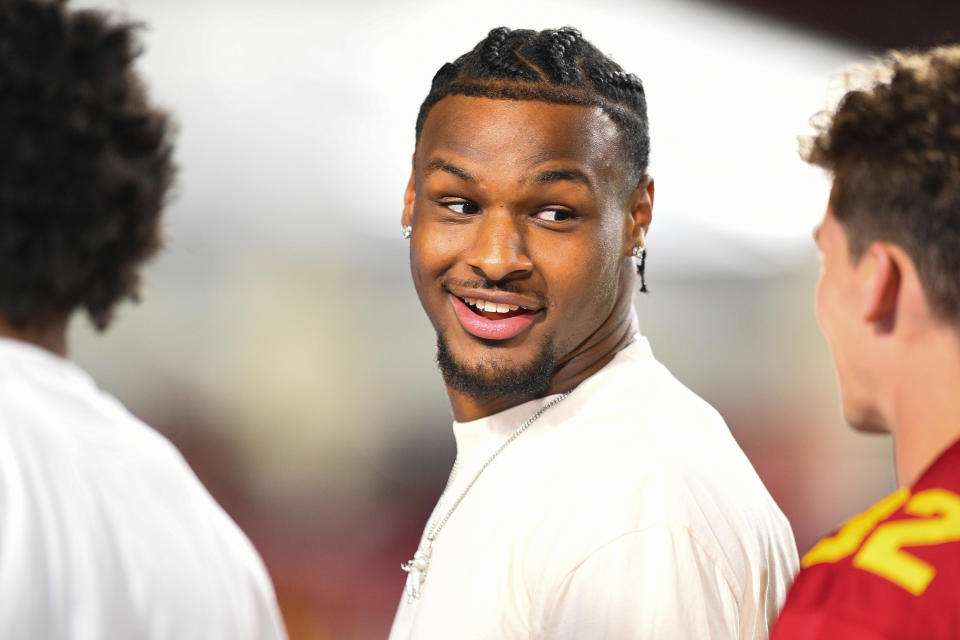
{"x":492,"y":285}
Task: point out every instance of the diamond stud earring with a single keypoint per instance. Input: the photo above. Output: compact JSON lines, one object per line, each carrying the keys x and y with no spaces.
{"x":406,"y":231}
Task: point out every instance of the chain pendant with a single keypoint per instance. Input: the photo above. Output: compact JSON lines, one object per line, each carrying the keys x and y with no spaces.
{"x":417,"y":569}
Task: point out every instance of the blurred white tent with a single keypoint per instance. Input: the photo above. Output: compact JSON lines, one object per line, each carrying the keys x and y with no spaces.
{"x":297,"y":116}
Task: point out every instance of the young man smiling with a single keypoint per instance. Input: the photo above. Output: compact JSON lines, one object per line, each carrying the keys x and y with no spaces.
{"x":888,"y":303}
{"x":593,"y":495}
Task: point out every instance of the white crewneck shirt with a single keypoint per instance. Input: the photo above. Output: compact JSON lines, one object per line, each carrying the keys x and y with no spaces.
{"x":625,"y":511}
{"x":105,"y":532}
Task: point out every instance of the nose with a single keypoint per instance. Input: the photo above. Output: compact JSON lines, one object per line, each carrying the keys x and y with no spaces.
{"x":499,"y":248}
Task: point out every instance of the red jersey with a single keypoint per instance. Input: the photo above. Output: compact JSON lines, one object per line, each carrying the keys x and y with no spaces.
{"x":892,"y":572}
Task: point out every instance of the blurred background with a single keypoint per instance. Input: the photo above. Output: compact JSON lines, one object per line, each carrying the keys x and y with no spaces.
{"x":280,"y":344}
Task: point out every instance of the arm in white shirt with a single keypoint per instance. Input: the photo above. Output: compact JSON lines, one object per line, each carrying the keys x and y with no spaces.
{"x":659,"y":582}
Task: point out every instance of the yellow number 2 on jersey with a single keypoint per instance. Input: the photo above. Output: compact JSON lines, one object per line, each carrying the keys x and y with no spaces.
{"x":939,"y":522}
{"x":848,"y":539}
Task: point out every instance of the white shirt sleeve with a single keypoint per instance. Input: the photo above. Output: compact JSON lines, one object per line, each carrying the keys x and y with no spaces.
{"x":655,"y":583}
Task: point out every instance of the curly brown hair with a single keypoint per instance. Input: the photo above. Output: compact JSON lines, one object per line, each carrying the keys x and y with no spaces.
{"x":86,"y":163}
{"x":894,"y":150}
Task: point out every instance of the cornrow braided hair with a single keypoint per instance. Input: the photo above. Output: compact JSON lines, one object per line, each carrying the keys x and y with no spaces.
{"x":554,"y":65}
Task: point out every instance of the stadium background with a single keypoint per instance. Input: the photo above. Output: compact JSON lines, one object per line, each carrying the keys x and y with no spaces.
{"x":280,"y":343}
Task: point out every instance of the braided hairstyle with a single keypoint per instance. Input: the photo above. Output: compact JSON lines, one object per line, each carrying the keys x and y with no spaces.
{"x":86,"y":163}
{"x":554,"y":65}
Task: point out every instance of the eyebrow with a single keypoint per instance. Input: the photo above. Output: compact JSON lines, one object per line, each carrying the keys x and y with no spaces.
{"x":816,"y":234}
{"x":558,"y":175}
{"x":439,"y":164}
{"x":571,"y":174}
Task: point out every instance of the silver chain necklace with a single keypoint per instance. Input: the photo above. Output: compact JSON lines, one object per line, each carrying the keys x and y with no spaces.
{"x":417,"y":568}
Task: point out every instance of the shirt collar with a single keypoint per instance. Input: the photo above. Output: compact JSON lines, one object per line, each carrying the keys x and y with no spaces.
{"x":477,"y":439}
{"x":945,"y":464}
{"x":21,"y":356}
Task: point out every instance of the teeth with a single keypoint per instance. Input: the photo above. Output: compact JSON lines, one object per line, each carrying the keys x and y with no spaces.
{"x":486,"y":305}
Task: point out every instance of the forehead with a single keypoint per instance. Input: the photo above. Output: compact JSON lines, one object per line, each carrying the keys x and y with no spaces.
{"x":517,"y":135}
{"x":830,"y":235}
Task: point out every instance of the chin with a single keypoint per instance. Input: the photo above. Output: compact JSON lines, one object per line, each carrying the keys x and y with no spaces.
{"x":865,"y":420}
{"x":496,"y":378}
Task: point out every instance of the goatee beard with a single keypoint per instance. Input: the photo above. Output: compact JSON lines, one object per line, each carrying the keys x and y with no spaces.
{"x":490,"y":379}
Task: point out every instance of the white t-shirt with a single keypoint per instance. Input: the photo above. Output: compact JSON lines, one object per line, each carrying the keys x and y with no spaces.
{"x":626,"y":511}
{"x":105,"y":532}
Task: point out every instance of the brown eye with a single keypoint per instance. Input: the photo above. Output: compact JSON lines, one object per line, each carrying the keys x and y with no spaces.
{"x":554,"y":215}
{"x":466,"y":208}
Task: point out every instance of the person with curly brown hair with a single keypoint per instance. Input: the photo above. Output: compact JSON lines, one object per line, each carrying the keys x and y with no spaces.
{"x":105,"y":532}
{"x":888,"y":303}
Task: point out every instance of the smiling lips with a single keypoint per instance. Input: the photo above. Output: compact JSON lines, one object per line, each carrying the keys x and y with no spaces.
{"x":492,"y":320}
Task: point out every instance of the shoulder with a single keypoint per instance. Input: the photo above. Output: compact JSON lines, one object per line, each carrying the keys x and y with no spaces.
{"x":614,"y":583}
{"x":895,"y":569}
{"x":663,"y":454}
{"x":65,"y":424}
{"x":644,"y":454}
{"x":87,"y":490}
{"x":67,"y":445}
{"x":637,"y":408}
{"x":63,"y":441}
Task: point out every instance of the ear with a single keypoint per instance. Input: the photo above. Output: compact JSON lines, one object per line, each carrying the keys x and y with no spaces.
{"x":887,"y":277}
{"x":409,"y":196}
{"x":640,"y":209}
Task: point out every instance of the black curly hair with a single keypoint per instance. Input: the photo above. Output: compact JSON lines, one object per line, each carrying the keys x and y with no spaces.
{"x":554,"y":65}
{"x":894,"y":149}
{"x":86,"y":163}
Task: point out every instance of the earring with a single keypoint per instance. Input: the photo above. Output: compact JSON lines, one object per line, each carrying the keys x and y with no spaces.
{"x":640,"y":253}
{"x":406,"y":231}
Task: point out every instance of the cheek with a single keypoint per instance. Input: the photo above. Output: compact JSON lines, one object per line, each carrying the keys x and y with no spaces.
{"x":585,"y":282}
{"x":607,"y":279}
{"x":424,"y":264}
{"x":828,"y":304}
{"x":607,"y":259}
{"x":833,"y":316}
{"x":416,"y":267}
{"x":818,"y":306}
{"x":431,"y":251}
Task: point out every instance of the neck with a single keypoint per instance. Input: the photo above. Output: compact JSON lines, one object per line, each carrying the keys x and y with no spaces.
{"x":926,"y":405}
{"x":591,"y":355}
{"x":50,"y":334}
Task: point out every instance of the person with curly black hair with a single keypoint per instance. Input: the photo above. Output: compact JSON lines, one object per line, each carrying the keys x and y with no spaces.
{"x":593,"y":495}
{"x":888,"y":303}
{"x":105,"y":532}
